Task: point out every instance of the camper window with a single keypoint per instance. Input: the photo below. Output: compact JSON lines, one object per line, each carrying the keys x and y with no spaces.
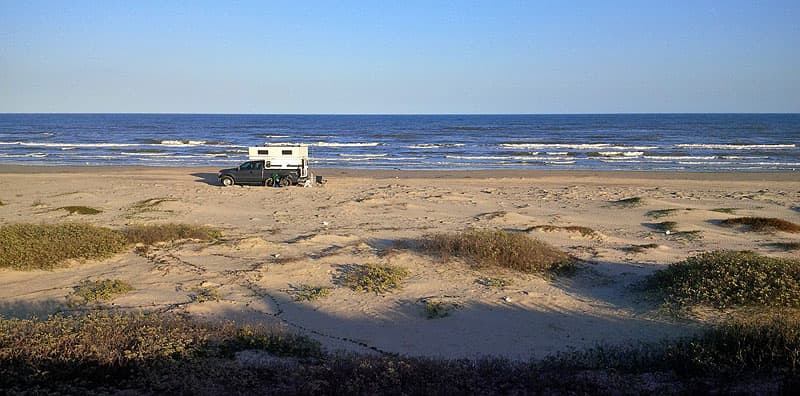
{"x":287,"y":152}
{"x":263,"y":152}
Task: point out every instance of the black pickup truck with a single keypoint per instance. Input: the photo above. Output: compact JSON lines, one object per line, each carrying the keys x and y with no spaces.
{"x":259,"y":172}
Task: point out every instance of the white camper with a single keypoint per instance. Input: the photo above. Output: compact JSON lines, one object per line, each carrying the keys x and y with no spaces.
{"x":282,"y":157}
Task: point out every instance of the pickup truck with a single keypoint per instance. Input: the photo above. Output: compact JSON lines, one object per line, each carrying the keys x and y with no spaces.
{"x":259,"y":172}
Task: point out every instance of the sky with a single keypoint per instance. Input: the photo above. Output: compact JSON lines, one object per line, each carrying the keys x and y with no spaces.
{"x":399,"y":57}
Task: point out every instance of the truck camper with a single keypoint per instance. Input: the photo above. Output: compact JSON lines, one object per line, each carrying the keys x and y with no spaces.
{"x":270,"y":165}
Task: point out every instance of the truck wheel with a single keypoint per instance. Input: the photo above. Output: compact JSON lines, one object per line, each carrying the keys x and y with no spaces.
{"x":269,"y":182}
{"x":227,"y":181}
{"x":285,"y":182}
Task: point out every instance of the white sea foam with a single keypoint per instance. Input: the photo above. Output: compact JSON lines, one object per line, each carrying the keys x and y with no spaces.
{"x":147,"y":154}
{"x":434,"y":145}
{"x":476,"y":157}
{"x":556,"y":153}
{"x":327,"y":144}
{"x":680,"y":157}
{"x":738,"y":146}
{"x":621,"y":153}
{"x":559,"y":162}
{"x":586,"y":146}
{"x":68,"y":145}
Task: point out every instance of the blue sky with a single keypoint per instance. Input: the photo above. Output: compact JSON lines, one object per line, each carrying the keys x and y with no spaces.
{"x":400,"y":56}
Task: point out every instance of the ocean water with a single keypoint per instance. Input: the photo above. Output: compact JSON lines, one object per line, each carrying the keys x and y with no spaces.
{"x":663,"y":142}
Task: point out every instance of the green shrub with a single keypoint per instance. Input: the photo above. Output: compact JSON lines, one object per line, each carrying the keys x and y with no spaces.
{"x":728,"y":279}
{"x":151,"y":234}
{"x":306,"y":292}
{"x":372,"y":277}
{"x":83,"y":210}
{"x":628,"y":202}
{"x":99,"y":290}
{"x":47,"y":246}
{"x":486,"y":248}
{"x":762,"y":224}
{"x":692,"y":235}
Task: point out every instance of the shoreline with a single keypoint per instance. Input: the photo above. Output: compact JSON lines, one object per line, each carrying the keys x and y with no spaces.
{"x":432,"y":174}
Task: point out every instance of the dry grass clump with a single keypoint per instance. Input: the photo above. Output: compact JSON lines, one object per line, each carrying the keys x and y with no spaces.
{"x":659,"y":213}
{"x":47,"y":246}
{"x":584,"y":231}
{"x":762,"y":224}
{"x":2,"y":203}
{"x":151,"y":234}
{"x":487,"y":248}
{"x":786,"y":246}
{"x":493,"y":282}
{"x":99,"y":290}
{"x":628,"y":202}
{"x":728,"y":279}
{"x":665,"y":226}
{"x":82,"y":210}
{"x":306,"y":292}
{"x":725,"y":210}
{"x":203,"y":293}
{"x":372,"y":278}
{"x":435,"y":309}
{"x":639,"y":248}
{"x":692,"y":235}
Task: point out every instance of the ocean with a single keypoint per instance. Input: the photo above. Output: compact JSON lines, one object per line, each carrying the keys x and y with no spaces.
{"x":649,"y":142}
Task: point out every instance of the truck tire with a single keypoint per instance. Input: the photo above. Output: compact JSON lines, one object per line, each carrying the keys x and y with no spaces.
{"x":285,"y":182}
{"x":269,"y":182}
{"x":227,"y":181}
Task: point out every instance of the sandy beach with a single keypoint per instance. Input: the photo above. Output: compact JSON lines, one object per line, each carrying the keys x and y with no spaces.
{"x":275,"y":239}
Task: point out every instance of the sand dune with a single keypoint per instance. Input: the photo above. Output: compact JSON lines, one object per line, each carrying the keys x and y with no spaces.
{"x":278,"y":239}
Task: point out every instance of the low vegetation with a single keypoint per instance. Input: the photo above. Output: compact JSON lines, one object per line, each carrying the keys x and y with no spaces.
{"x":724,"y":279}
{"x":494,"y":282}
{"x":628,"y":202}
{"x":497,"y":248}
{"x":48,"y":246}
{"x":306,"y":292}
{"x":2,"y":203}
{"x":204,"y":293}
{"x":81,"y":210}
{"x":725,"y":210}
{"x":435,"y":309}
{"x":639,"y":248}
{"x":692,"y":235}
{"x":167,"y":354}
{"x":657,"y":214}
{"x":786,"y":246}
{"x":88,"y":291}
{"x":584,"y":231}
{"x":762,"y":224}
{"x":372,"y":278}
{"x":664,"y":226}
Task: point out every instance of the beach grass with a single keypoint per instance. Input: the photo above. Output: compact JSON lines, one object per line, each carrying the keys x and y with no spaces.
{"x":48,"y":246}
{"x":372,"y":278}
{"x":81,"y":210}
{"x":494,"y":282}
{"x":305,"y":292}
{"x":435,"y":309}
{"x":659,"y":213}
{"x":664,"y":226}
{"x":725,"y":210}
{"x":155,"y":233}
{"x":99,"y":290}
{"x":628,"y":202}
{"x":785,"y":246}
{"x":498,"y":248}
{"x":639,"y":248}
{"x":762,"y":224}
{"x":724,"y":279}
{"x":204,"y":293}
{"x":584,"y":231}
